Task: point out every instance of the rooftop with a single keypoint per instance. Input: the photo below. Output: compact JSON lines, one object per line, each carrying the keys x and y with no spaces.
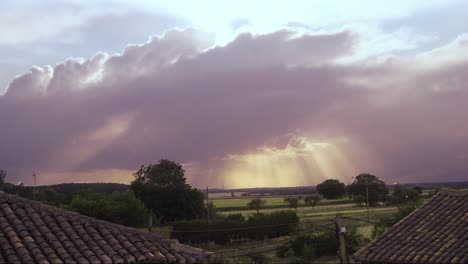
{"x":436,"y":232}
{"x":32,"y":232}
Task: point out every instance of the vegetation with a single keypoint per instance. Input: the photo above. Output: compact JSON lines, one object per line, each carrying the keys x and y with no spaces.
{"x":221,"y":231}
{"x":312,"y":200}
{"x":331,"y":189}
{"x":293,"y":202}
{"x":311,"y":246}
{"x":402,"y":194}
{"x":256,"y":204}
{"x":119,"y":207}
{"x":241,"y":219}
{"x":163,"y":188}
{"x":2,"y":178}
{"x":368,"y":185}
{"x":404,"y":210}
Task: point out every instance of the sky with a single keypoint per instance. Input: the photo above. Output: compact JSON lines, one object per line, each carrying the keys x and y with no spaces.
{"x":242,"y":93}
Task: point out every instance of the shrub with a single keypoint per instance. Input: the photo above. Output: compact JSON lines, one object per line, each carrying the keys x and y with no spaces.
{"x":119,"y":207}
{"x":236,"y":217}
{"x":319,"y":244}
{"x":285,"y":218}
{"x":257,"y":227}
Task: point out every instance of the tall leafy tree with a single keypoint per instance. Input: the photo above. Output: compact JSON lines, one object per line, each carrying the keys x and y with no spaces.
{"x":163,"y":188}
{"x":367,"y":184}
{"x":331,"y":189}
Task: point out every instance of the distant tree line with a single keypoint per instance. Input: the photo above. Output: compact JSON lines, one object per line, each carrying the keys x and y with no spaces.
{"x":159,"y":190}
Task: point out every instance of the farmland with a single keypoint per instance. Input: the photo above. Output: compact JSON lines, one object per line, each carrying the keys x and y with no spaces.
{"x":325,"y":210}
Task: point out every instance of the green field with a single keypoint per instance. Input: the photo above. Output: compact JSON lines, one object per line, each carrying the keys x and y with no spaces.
{"x":240,"y":204}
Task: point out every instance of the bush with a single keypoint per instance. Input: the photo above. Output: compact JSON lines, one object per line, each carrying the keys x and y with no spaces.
{"x":319,"y":244}
{"x":406,"y":208}
{"x":236,"y":217}
{"x":119,"y":207}
{"x":270,"y":221}
{"x":257,"y":227}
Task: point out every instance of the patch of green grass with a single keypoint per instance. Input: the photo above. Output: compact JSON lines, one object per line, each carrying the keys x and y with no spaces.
{"x":275,"y":202}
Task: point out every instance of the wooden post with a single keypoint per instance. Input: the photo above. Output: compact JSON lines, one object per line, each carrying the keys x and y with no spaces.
{"x":340,"y":232}
{"x":150,"y":220}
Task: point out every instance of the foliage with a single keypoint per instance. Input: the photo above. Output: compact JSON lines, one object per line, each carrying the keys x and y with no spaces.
{"x":312,"y":200}
{"x":119,"y":207}
{"x":20,"y":190}
{"x":74,"y":188}
{"x":257,"y":227}
{"x":50,"y":196}
{"x":402,"y":194}
{"x":235,"y":217}
{"x":320,"y":244}
{"x":331,"y":189}
{"x":404,"y":210}
{"x":163,"y":188}
{"x":256,"y":204}
{"x":418,"y":189}
{"x":293,"y":202}
{"x":2,"y":177}
{"x":210,"y":210}
{"x":407,"y":208}
{"x":376,"y":188}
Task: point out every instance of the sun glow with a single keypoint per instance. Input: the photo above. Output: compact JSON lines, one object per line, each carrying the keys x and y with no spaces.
{"x":301,"y":162}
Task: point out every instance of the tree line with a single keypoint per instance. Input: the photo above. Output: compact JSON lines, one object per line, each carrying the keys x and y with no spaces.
{"x":161,"y":190}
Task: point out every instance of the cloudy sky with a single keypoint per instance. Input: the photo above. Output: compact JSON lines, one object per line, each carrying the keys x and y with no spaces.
{"x":243,"y":93}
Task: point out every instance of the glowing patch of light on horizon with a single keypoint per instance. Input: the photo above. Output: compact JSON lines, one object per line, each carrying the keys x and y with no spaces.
{"x":303,"y":164}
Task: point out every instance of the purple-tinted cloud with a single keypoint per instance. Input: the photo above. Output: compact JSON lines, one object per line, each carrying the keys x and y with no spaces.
{"x":176,"y":97}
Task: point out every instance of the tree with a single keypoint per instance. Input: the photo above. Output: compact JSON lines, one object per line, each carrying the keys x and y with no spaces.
{"x":402,"y":194}
{"x":312,"y":200}
{"x":418,"y":189}
{"x":2,"y":177}
{"x":163,"y":188}
{"x":369,"y":185}
{"x":331,"y":189}
{"x":293,"y":202}
{"x":256,"y":204}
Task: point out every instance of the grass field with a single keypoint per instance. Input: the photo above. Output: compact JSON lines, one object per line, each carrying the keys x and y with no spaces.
{"x":326,"y":210}
{"x":240,"y":204}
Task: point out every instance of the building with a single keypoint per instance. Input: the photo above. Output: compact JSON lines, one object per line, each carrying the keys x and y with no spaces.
{"x":436,"y":232}
{"x":32,"y":232}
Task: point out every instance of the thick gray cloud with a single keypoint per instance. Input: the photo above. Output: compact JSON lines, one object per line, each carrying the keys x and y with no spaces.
{"x":175,"y":97}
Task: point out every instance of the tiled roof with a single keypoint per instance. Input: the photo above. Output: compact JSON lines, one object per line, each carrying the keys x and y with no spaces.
{"x":31,"y":232}
{"x":437,"y":232}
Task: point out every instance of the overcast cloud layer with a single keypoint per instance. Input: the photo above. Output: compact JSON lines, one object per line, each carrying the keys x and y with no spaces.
{"x":280,"y":108}
{"x":242,"y":93}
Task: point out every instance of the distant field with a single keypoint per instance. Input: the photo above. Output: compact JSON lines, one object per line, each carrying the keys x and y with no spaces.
{"x":240,"y":204}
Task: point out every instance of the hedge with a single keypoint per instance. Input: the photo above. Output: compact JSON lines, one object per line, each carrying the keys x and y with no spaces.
{"x":221,"y":231}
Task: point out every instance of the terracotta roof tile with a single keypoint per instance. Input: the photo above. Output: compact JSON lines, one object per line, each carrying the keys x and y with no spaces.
{"x":31,"y":232}
{"x":437,"y":232}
